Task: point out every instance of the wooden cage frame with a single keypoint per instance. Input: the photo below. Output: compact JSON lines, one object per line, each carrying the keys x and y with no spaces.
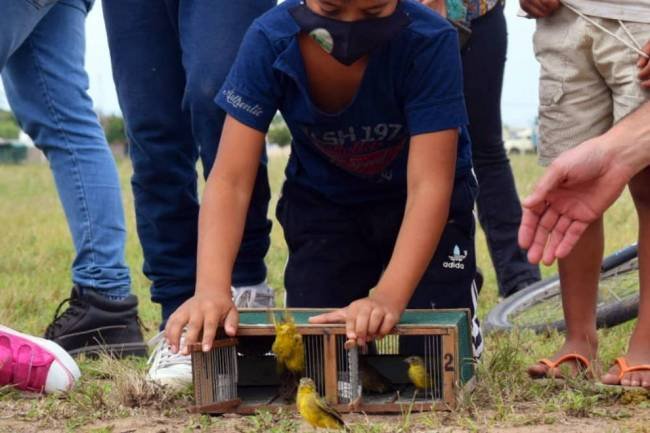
{"x":456,"y":379}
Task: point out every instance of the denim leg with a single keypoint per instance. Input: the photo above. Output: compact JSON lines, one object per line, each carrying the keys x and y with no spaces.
{"x":46,"y":85}
{"x":17,"y":20}
{"x":150,"y":82}
{"x":207,"y":28}
{"x":499,"y":208}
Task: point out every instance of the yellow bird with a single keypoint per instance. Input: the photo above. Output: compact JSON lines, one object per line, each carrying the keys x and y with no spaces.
{"x":288,"y":346}
{"x":418,"y":373}
{"x":371,"y":379}
{"x":315,"y":410}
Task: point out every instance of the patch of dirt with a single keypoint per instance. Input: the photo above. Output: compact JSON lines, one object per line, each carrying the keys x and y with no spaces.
{"x":19,"y":416}
{"x":157,"y":424}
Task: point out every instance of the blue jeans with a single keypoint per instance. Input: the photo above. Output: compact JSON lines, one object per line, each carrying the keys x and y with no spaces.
{"x":42,"y":48}
{"x":170,"y":57}
{"x":499,"y":210}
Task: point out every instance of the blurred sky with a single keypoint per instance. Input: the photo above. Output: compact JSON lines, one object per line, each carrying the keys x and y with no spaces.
{"x":519,"y":93}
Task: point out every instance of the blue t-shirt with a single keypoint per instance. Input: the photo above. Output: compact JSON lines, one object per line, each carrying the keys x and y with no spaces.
{"x":412,"y":85}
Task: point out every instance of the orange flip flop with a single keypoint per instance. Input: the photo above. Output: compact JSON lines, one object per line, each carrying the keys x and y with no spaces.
{"x":584,"y":366}
{"x":625,"y":368}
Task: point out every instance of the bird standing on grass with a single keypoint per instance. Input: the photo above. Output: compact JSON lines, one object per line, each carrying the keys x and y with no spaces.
{"x":315,"y":410}
{"x":418,"y":373}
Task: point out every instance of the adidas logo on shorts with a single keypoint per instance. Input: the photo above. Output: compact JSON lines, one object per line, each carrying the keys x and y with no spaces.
{"x":456,"y":260}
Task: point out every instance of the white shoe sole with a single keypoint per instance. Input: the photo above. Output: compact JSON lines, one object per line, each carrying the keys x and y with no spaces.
{"x":63,"y":372}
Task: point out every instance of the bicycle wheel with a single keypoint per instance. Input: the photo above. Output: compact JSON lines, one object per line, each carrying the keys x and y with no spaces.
{"x":539,"y":306}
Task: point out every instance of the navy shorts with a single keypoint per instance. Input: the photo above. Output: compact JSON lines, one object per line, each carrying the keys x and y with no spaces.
{"x":337,"y":253}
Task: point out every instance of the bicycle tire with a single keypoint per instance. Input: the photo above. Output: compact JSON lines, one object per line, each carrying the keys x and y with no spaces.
{"x":608,"y":315}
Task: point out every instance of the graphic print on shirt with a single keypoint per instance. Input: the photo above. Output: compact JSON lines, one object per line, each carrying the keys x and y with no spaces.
{"x":366,"y":151}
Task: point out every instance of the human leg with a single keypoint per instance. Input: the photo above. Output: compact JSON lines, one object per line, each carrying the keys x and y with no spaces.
{"x":150,"y":81}
{"x":639,"y":347}
{"x":17,"y":21}
{"x":575,"y":105}
{"x":46,"y":87}
{"x":483,"y":66}
{"x":579,"y":281}
{"x":619,"y":66}
{"x":206,"y":29}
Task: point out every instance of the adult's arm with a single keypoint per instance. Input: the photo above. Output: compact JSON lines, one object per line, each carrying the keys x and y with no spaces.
{"x":581,"y":184}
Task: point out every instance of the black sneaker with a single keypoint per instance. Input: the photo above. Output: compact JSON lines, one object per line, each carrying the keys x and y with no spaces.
{"x":93,"y":325}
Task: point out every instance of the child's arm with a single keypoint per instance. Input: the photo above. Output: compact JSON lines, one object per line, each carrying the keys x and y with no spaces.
{"x":221,"y":226}
{"x":430,"y":173}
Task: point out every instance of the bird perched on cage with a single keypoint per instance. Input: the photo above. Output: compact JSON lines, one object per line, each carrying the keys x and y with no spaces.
{"x":315,"y":410}
{"x":371,"y":379}
{"x":289,"y":352}
{"x":288,"y":346}
{"x":418,"y":373}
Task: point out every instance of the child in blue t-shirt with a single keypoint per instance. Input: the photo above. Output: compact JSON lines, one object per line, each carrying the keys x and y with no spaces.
{"x":379,"y":191}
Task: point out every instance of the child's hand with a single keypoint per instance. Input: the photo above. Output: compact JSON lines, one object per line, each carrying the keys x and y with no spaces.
{"x":644,"y":66}
{"x":365,"y":319}
{"x":201,"y":312}
{"x":539,"y":8}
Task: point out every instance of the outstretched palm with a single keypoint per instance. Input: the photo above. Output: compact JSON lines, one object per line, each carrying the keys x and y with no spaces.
{"x":575,"y":191}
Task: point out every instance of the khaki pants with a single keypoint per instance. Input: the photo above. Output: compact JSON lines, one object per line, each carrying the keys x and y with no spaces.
{"x":588,"y":79}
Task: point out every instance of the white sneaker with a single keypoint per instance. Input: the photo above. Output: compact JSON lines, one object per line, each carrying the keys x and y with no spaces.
{"x":256,"y":296}
{"x":168,"y":368}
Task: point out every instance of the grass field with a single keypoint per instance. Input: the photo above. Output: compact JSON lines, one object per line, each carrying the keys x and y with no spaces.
{"x":36,"y":251}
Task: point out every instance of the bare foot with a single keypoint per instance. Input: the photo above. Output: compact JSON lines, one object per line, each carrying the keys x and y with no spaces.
{"x":637,"y":354}
{"x":585,"y":347}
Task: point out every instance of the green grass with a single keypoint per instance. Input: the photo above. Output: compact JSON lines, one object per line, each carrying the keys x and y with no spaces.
{"x":36,"y":252}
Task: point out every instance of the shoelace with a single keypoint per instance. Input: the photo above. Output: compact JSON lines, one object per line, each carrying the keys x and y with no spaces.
{"x":162,"y":356}
{"x":635,"y":46}
{"x":61,"y":318}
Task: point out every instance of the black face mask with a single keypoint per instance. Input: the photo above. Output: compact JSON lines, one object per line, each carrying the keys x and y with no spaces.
{"x":346,"y":41}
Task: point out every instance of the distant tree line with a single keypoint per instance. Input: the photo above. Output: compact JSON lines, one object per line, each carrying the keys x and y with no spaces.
{"x":278,"y":132}
{"x":113,"y":128}
{"x":9,"y":128}
{"x":115,"y":133}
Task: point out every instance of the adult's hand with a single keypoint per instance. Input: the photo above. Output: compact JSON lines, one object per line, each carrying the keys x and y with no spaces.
{"x":539,"y":8}
{"x":574,"y":191}
{"x":439,"y":6}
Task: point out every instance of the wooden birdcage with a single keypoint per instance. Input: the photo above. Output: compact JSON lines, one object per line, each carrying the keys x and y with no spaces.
{"x":234,"y":378}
